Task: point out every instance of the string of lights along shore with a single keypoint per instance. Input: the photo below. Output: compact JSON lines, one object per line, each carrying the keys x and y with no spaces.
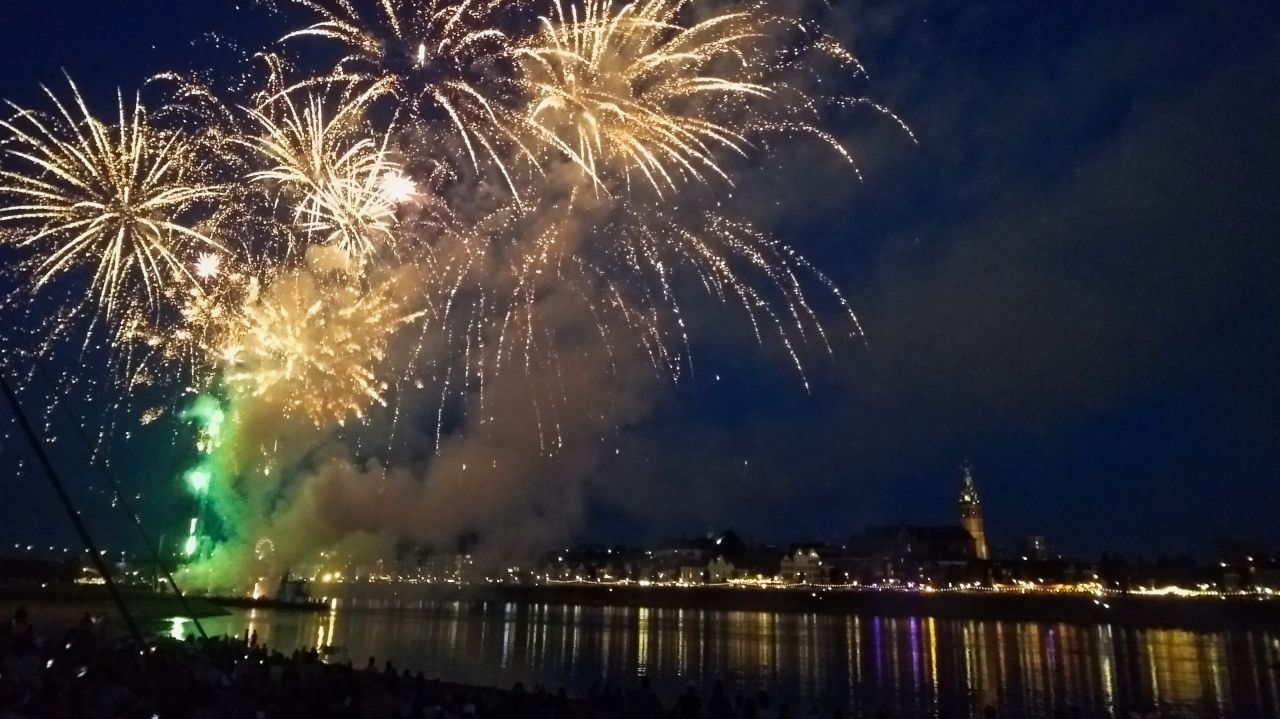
{"x":492,"y":213}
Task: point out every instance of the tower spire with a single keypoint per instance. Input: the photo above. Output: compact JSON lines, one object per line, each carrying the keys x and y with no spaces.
{"x":968,"y":493}
{"x":971,"y":513}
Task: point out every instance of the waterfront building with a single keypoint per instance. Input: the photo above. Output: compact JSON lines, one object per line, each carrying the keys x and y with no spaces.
{"x":1248,"y":565}
{"x":693,"y":574}
{"x":758,"y":564}
{"x":448,"y":567}
{"x":720,"y":570}
{"x":908,"y":553}
{"x":805,"y":566}
{"x":685,"y":552}
{"x":946,"y":543}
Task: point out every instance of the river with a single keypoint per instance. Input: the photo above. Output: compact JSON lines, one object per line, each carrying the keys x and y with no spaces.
{"x":912,"y":667}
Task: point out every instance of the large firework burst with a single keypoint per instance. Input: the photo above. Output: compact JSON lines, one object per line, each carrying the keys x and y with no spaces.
{"x":335,"y":173}
{"x":458,"y":202}
{"x":442,"y":59}
{"x":640,"y":90}
{"x":623,"y":88}
{"x":311,"y":343}
{"x":120,"y":200}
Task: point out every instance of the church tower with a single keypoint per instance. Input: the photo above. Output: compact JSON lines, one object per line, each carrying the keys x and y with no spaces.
{"x":971,"y":515}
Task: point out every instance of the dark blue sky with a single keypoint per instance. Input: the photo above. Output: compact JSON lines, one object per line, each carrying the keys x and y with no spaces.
{"x":1069,"y":281}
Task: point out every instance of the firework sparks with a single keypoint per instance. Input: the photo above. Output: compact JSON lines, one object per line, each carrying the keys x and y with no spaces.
{"x":119,"y":199}
{"x":333,"y":172}
{"x":735,"y":264}
{"x":624,"y":88}
{"x":311,"y":345}
{"x":437,"y":57}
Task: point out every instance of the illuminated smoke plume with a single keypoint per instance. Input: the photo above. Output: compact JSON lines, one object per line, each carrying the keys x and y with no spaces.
{"x":428,"y":279}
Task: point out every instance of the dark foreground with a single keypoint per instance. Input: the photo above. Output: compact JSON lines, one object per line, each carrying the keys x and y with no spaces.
{"x":80,"y":672}
{"x":83,"y":674}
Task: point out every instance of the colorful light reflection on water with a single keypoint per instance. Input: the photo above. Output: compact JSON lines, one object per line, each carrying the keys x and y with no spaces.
{"x":914,"y":666}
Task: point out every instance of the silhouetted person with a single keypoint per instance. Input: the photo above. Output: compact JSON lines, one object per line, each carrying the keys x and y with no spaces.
{"x":390,"y":677}
{"x":644,"y":702}
{"x":22,"y":633}
{"x":689,"y":705}
{"x":516,"y":700}
{"x":719,"y":707}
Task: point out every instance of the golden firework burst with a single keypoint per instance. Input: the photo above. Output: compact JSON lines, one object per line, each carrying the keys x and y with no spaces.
{"x":121,"y":200}
{"x":625,"y":88}
{"x":439,"y":58}
{"x":336,"y":174}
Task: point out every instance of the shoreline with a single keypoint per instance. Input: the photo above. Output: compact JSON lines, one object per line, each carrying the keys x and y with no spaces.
{"x":487,"y":604}
{"x":64,"y":605}
{"x":1231,"y":612}
{"x":69,"y":602}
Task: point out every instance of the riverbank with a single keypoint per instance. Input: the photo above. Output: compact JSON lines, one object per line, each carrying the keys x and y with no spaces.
{"x":63,"y":605}
{"x":914,"y":666}
{"x":69,"y":602}
{"x":1226,"y":612}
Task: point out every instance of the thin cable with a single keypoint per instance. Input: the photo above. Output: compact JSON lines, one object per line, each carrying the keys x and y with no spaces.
{"x":98,"y":463}
{"x":56,"y":482}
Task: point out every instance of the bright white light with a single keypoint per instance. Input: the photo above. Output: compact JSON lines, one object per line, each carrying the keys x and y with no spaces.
{"x":398,"y":188}
{"x":208,"y":265}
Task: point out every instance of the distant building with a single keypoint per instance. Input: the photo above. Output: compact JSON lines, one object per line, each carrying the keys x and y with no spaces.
{"x":758,"y":563}
{"x":448,"y":567}
{"x":1247,"y":565}
{"x":920,"y":542}
{"x":693,"y":574}
{"x":1035,"y":548}
{"x":905,"y":553}
{"x":971,"y":515}
{"x":685,"y":552}
{"x":804,"y":567}
{"x":720,"y":571}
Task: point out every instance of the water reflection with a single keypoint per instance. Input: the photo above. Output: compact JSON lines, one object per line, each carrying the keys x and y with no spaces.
{"x":918,"y":666}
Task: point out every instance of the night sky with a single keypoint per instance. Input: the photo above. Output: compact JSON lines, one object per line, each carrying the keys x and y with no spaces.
{"x":1070,"y":281}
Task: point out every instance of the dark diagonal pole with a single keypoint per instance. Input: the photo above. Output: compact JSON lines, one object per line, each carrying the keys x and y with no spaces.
{"x":52,"y":475}
{"x":61,"y":400}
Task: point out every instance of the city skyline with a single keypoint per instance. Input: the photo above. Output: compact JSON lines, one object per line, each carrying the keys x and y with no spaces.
{"x":966,"y":517}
